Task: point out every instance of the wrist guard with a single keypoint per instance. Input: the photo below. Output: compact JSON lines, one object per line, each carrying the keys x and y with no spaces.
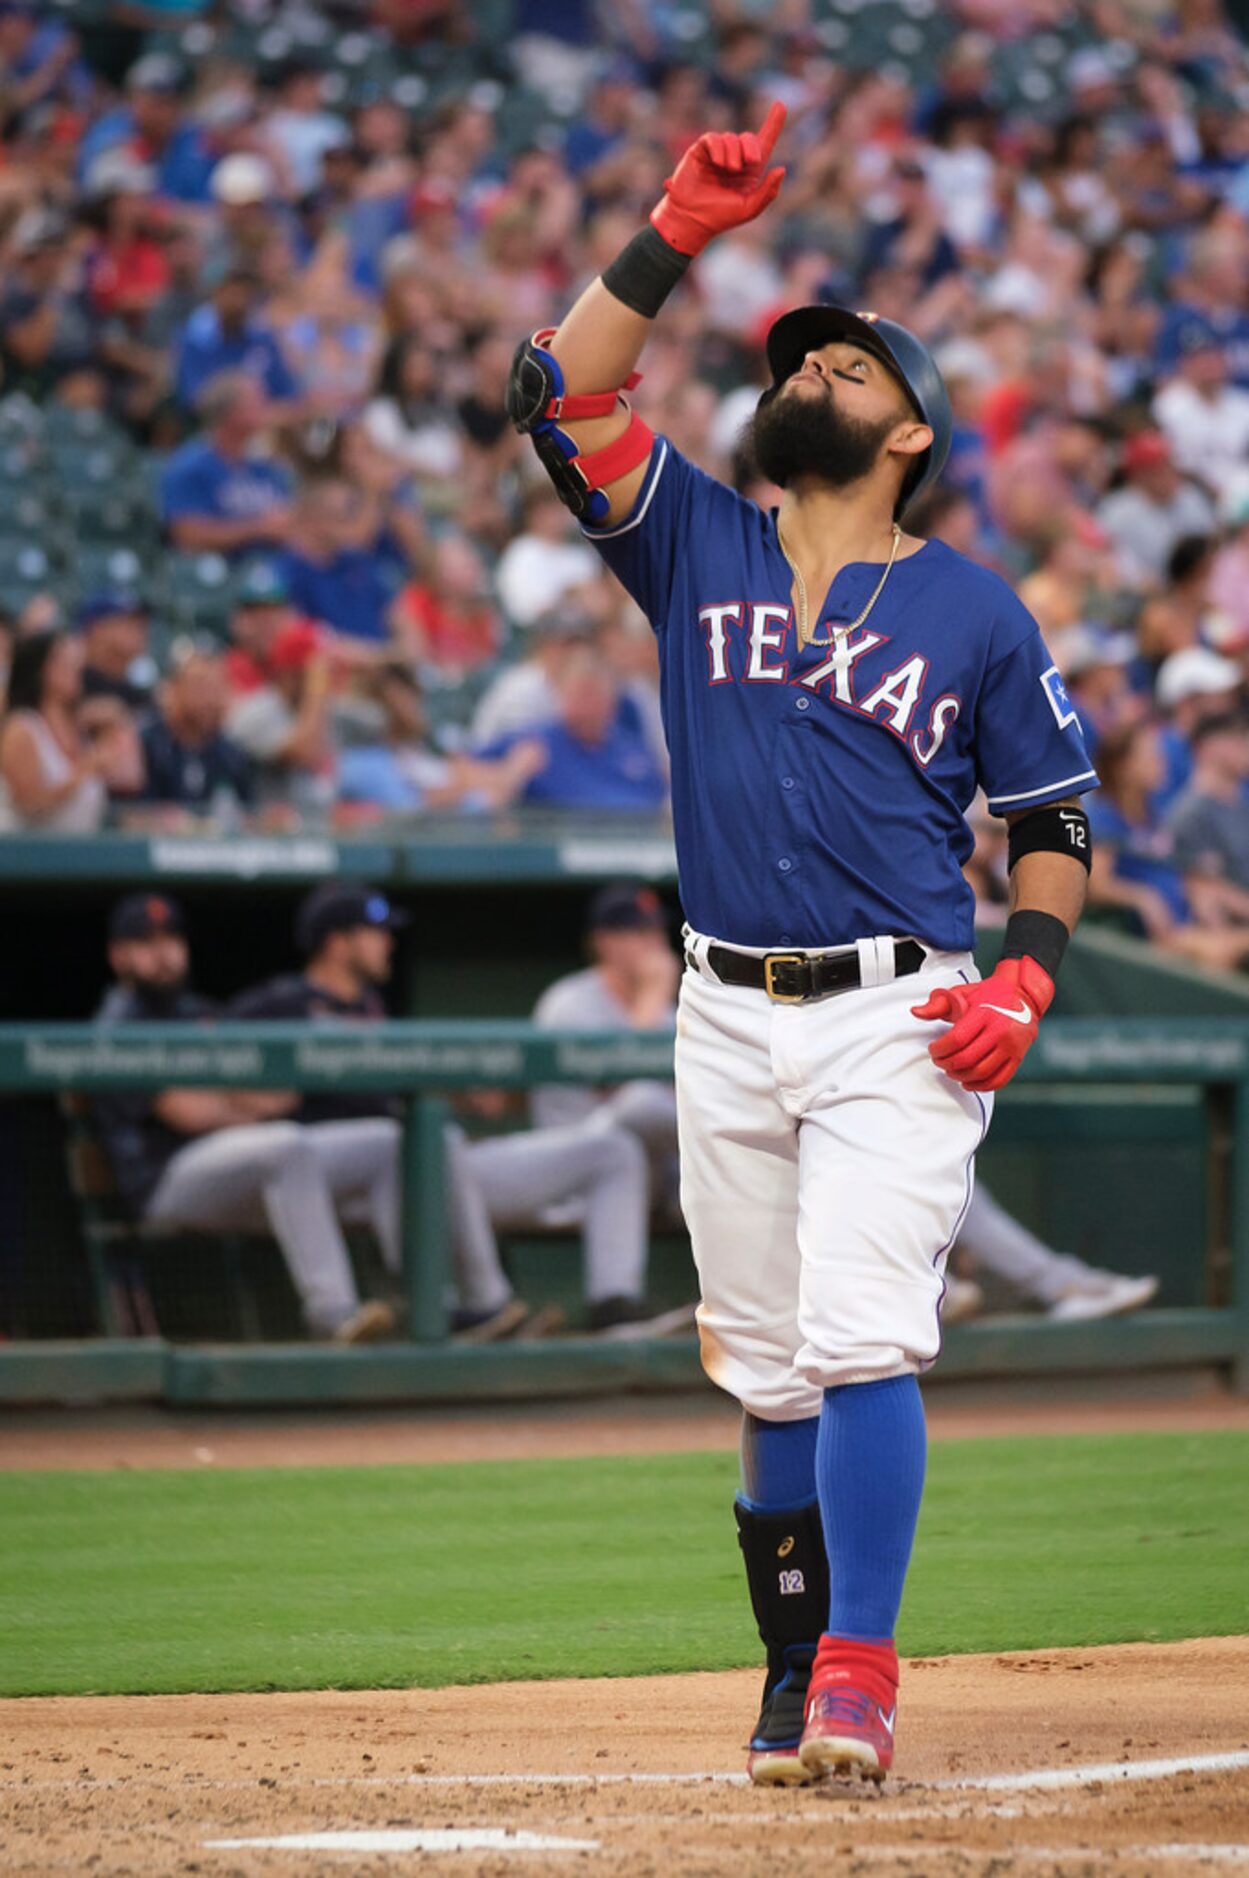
{"x":1039,"y":936}
{"x":536,"y":402}
{"x":644,"y":273}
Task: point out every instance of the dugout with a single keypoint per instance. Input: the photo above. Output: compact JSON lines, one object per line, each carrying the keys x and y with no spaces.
{"x":1125,"y":1172}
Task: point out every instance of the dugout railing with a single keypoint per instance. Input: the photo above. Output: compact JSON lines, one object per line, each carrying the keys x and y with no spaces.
{"x":427,"y":1062}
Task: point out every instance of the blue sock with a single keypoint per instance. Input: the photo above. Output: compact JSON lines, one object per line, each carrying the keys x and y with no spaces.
{"x":778,"y":1463}
{"x":869,"y":1464}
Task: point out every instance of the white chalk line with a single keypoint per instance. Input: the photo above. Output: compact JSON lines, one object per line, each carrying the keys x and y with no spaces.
{"x":1036,"y":1781}
{"x":394,"y":1839}
{"x":1049,"y":1779}
{"x":495,"y":1839}
{"x":1056,"y":1777}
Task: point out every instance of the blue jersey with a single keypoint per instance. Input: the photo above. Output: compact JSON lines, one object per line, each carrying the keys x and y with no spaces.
{"x":819,"y":796}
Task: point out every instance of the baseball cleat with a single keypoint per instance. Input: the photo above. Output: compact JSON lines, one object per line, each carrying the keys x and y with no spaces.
{"x":851,"y":1708}
{"x":373,"y":1322}
{"x":1102,"y":1294}
{"x":847,"y":1732}
{"x":773,"y":1758}
{"x":778,"y":1767}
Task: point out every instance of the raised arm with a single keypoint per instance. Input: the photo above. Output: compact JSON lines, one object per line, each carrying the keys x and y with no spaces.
{"x":597,"y":459}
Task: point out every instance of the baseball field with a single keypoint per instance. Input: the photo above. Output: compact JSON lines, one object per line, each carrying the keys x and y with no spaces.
{"x":518,"y":1641}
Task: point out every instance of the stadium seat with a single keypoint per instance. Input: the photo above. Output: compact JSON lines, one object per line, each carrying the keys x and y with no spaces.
{"x":26,"y":568}
{"x":200,"y":592}
{"x":112,"y":568}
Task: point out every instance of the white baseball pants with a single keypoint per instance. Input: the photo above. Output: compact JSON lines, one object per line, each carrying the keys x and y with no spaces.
{"x":826,"y":1163}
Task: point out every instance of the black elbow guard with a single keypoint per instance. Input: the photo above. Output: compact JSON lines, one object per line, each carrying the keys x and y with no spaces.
{"x":1051,"y":831}
{"x":537,"y":403}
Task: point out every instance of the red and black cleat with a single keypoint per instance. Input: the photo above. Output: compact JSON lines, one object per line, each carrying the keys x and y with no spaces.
{"x":773,"y":1757}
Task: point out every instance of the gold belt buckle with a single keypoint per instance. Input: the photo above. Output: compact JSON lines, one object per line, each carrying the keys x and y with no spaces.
{"x":774,"y":959}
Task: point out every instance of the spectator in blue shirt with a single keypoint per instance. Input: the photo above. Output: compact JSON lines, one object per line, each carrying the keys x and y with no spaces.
{"x":1134,"y":860}
{"x":913,"y":234}
{"x":598,"y":755}
{"x":217,"y":494}
{"x":343,"y":566}
{"x":39,"y":59}
{"x":1208,"y":305}
{"x":603,"y":126}
{"x":190,"y":761}
{"x":226,"y":334}
{"x":152,"y":123}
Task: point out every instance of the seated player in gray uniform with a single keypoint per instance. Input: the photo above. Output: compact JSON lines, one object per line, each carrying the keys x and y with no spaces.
{"x":494,"y":1183}
{"x":992,"y":1243}
{"x":221,"y":1160}
{"x":630,"y":984}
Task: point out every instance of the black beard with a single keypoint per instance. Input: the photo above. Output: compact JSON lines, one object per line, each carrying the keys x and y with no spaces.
{"x":158,"y":996}
{"x":801,"y":435}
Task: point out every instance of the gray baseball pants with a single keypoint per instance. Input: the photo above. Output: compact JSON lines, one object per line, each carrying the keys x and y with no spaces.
{"x":996,"y":1243}
{"x":503,"y":1181}
{"x":296,"y":1181}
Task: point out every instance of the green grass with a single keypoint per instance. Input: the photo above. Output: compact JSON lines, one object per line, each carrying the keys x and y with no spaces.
{"x":397,"y":1576}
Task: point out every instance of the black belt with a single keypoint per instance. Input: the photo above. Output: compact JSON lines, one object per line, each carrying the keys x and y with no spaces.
{"x":798,"y":977}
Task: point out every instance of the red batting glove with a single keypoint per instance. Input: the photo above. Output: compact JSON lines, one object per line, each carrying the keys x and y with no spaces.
{"x":993,"y":1024}
{"x":720,"y":182}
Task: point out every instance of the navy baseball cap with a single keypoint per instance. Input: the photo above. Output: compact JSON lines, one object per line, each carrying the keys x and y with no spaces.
{"x":144,"y":916}
{"x":341,"y":906}
{"x":626,"y":906}
{"x":795,"y":334}
{"x":112,"y":605}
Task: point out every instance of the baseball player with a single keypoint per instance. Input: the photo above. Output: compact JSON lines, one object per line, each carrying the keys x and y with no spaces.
{"x":347,"y":931}
{"x":834,"y":689}
{"x":226,"y":1160}
{"x":630,"y":984}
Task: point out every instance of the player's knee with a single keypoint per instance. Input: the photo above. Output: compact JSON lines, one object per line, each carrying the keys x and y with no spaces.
{"x":616,"y":1151}
{"x":285,"y":1145}
{"x":756,"y":1365}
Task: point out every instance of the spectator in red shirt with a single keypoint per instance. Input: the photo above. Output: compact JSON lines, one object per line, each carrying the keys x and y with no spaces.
{"x":128,"y":272}
{"x":448,"y":620}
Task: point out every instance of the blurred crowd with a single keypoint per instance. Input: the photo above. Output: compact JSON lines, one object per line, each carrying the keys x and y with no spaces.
{"x":270,"y":549}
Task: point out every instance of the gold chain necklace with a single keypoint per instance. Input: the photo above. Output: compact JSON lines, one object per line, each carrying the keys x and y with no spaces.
{"x":805,"y":637}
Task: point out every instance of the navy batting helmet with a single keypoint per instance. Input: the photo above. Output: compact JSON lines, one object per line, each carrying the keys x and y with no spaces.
{"x":808,"y":327}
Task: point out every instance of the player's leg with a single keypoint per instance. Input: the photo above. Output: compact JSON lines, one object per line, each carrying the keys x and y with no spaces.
{"x":360,"y":1161}
{"x":488,"y":1309}
{"x":1066,"y":1286}
{"x":782,"y":1543}
{"x":267,"y":1177}
{"x":886,"y":1149}
{"x":602,"y":1170}
{"x":739,"y":1195}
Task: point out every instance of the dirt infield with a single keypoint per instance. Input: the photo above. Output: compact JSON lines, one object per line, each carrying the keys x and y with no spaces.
{"x":639,"y":1778}
{"x":1142,"y":1751}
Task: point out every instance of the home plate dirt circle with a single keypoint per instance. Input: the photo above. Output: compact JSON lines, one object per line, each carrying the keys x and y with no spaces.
{"x":1131,"y":1760}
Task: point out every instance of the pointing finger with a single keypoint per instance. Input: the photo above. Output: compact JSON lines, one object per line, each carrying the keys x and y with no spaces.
{"x":773,"y":125}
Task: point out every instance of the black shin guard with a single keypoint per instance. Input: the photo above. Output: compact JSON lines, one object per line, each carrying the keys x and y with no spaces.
{"x":787,"y":1573}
